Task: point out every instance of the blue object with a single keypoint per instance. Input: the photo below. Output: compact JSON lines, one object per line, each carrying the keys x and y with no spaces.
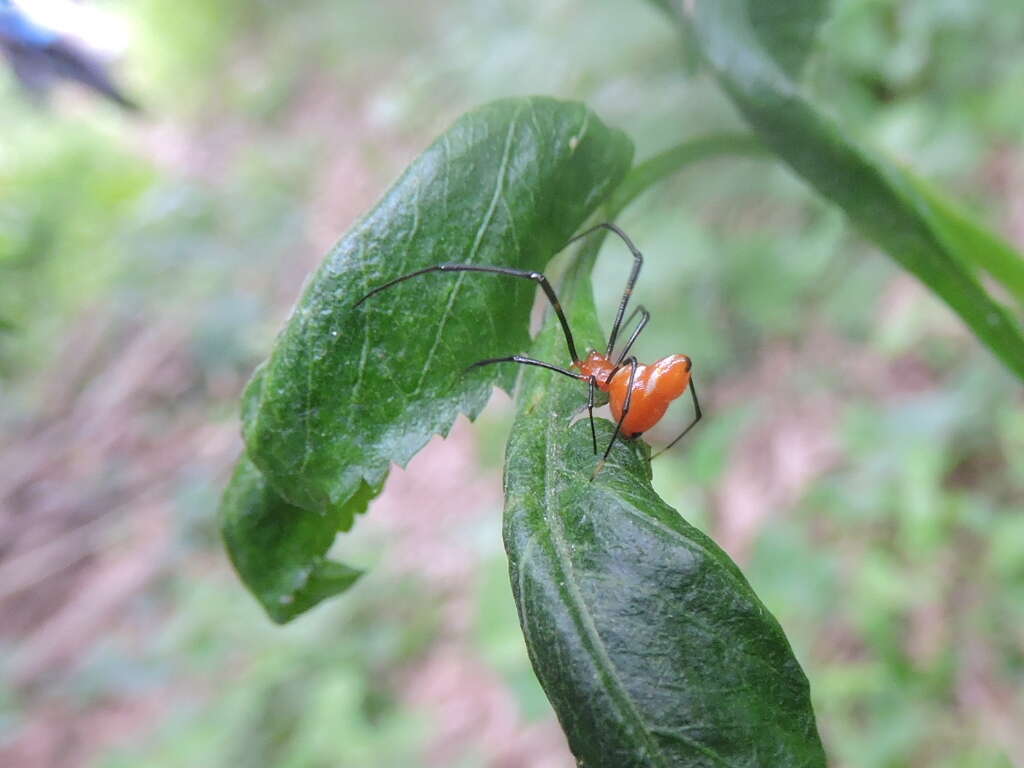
{"x":16,"y":28}
{"x":39,"y":57}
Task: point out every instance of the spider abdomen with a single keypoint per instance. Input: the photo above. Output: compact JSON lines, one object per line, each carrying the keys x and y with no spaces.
{"x":655,"y":386}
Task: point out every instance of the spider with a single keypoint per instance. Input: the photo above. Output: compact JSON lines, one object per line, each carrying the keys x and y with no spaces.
{"x":638,"y":395}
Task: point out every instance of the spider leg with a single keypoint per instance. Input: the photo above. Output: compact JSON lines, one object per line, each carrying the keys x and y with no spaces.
{"x":632,"y":363}
{"x":537,"y":277}
{"x":590,"y":409}
{"x":638,"y":261}
{"x":697,"y":416}
{"x":645,"y":318}
{"x":523,"y":360}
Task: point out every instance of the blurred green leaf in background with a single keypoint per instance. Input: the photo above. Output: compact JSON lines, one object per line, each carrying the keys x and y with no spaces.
{"x":863,"y":464}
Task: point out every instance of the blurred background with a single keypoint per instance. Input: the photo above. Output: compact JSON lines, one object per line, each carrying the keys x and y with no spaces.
{"x":862,"y":457}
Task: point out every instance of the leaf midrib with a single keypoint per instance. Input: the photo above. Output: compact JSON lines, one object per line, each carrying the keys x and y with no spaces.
{"x":485,"y":223}
{"x":581,"y":614}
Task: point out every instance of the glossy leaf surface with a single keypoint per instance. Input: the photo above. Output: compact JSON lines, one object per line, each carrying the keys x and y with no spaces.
{"x":348,"y":390}
{"x":649,"y":642}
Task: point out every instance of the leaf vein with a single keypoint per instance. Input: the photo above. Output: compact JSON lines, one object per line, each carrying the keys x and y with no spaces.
{"x":620,"y":696}
{"x":364,"y":352}
{"x":477,"y":240}
{"x":674,"y":733}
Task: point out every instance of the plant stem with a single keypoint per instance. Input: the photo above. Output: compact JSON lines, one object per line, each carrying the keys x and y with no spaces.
{"x":664,"y":164}
{"x":576,"y":282}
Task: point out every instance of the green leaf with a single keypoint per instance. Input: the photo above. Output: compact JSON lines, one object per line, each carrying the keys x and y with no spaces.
{"x":664,"y":164}
{"x":788,"y":29}
{"x":969,"y":240}
{"x":348,"y":390}
{"x":743,"y":45}
{"x":278,"y":549}
{"x":649,"y":642}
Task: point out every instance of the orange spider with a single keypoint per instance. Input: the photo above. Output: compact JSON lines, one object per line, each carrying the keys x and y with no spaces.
{"x":638,"y":395}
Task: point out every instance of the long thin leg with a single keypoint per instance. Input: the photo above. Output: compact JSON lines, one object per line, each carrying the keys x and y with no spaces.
{"x":692,"y":424}
{"x":524,"y":273}
{"x":632,"y":363}
{"x":645,"y":317}
{"x":638,"y":261}
{"x":590,"y":410}
{"x":523,"y":360}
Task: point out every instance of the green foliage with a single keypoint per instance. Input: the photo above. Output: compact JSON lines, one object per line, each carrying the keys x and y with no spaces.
{"x":651,"y":171}
{"x":350,"y":389}
{"x":975,"y":245}
{"x":298,"y":701}
{"x":63,"y":197}
{"x":896,"y":570}
{"x":278,"y":548}
{"x":332,"y":399}
{"x":754,"y":57}
{"x":649,"y":642}
{"x":593,"y":563}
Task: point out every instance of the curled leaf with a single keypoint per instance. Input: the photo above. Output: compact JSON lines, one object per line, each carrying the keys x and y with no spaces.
{"x":349,"y":389}
{"x":649,"y":642}
{"x":279,"y":549}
